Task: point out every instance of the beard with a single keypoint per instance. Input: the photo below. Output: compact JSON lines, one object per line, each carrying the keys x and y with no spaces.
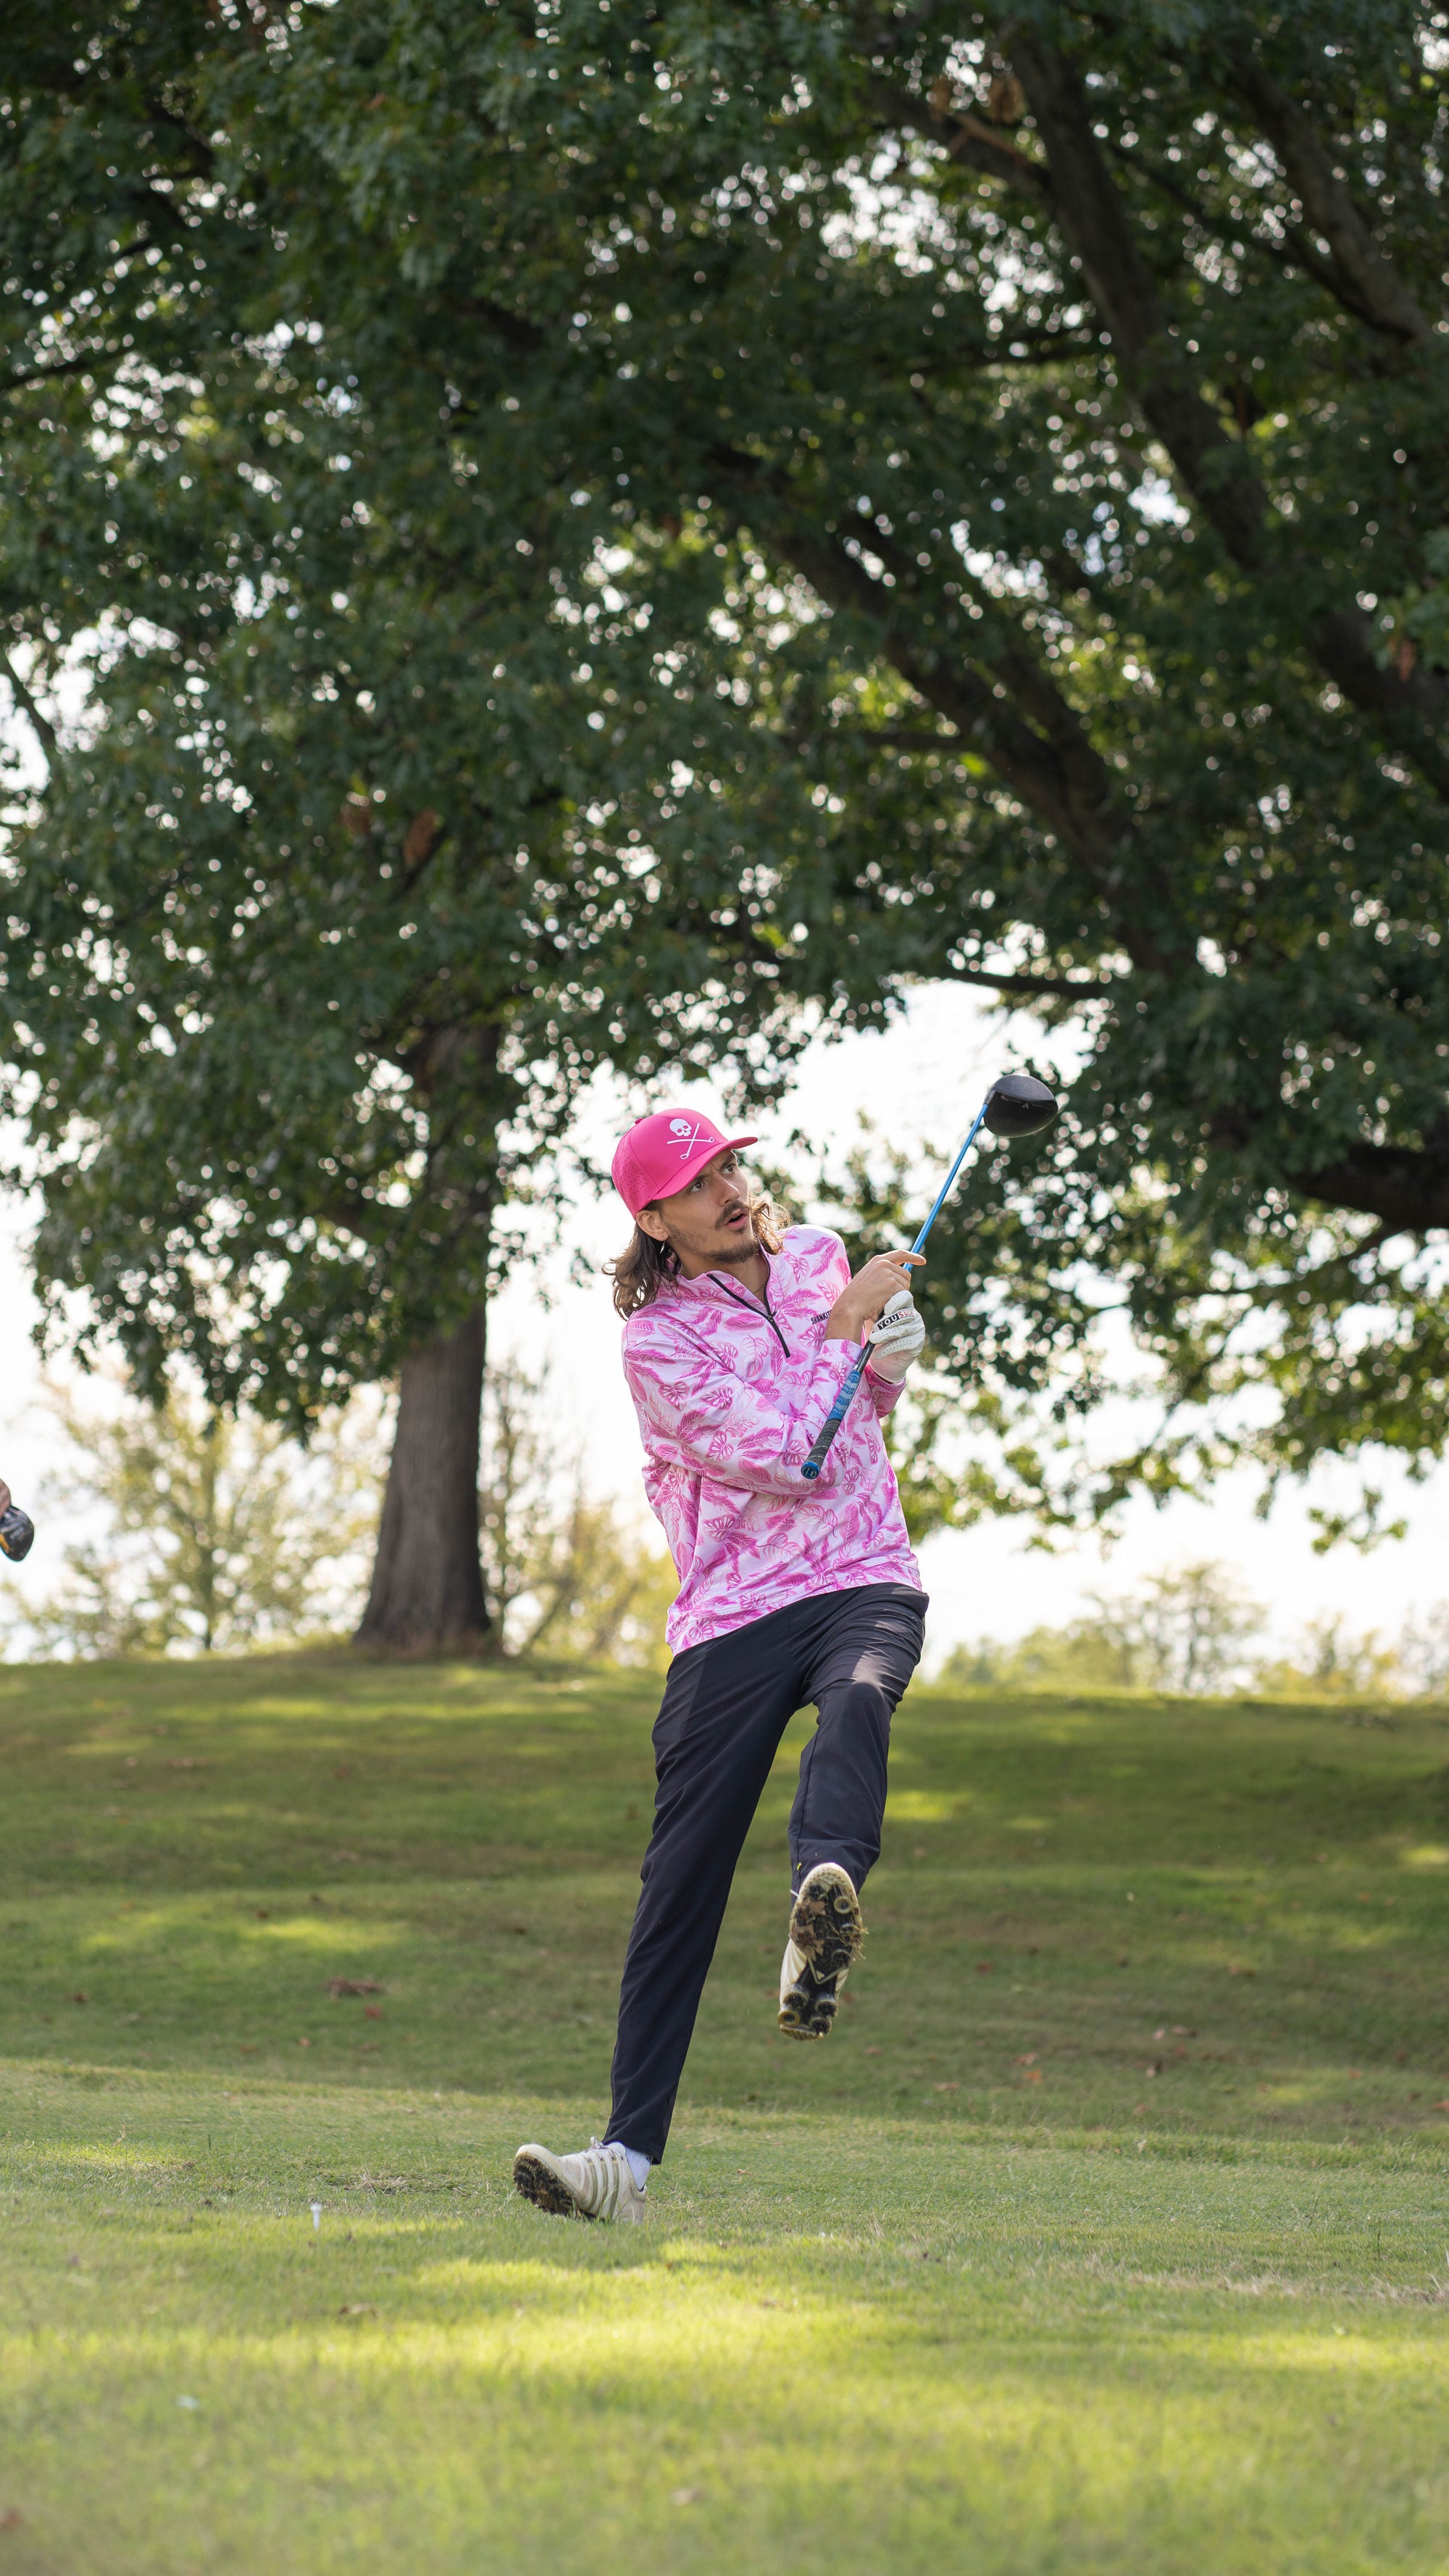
{"x":739,"y":1249}
{"x":733,"y":1253}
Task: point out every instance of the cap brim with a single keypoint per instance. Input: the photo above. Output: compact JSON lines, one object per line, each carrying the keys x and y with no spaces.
{"x":691,"y":1170}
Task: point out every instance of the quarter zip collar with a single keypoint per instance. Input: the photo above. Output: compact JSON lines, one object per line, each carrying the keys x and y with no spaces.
{"x":742,"y":1297}
{"x":717,"y":1283}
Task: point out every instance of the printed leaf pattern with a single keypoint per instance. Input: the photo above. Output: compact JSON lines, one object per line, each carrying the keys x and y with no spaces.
{"x":727,"y":1418}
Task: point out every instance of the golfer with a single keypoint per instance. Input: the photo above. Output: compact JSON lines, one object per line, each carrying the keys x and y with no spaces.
{"x":737,"y":1338}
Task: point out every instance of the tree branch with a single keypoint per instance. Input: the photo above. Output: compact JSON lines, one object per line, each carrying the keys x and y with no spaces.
{"x":1011,"y":662}
{"x":202,"y":156}
{"x":1214,"y":468}
{"x":44,"y":729}
{"x":1295,"y":251}
{"x":514,"y":329}
{"x":1024,"y":348}
{"x":1055,"y":771}
{"x":1028,"y":764}
{"x":879,"y":737}
{"x":1407,"y":1191}
{"x":36,"y":375}
{"x":965,"y":138}
{"x":884,"y":739}
{"x":1055,"y":987}
{"x":1057,"y":774}
{"x":1365,"y":278}
{"x":1098,"y":235}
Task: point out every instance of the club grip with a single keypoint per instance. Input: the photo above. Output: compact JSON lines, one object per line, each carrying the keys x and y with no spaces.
{"x":820,"y":1445}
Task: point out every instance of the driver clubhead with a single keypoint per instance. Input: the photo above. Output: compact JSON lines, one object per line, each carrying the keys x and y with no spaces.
{"x":1018,"y":1105}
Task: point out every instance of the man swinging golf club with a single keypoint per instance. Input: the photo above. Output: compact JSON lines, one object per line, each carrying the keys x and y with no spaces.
{"x":737,"y":1339}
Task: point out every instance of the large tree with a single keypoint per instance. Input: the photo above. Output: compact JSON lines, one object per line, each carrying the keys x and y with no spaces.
{"x":1017,"y":443}
{"x":347,"y":870}
{"x":1077,"y":378}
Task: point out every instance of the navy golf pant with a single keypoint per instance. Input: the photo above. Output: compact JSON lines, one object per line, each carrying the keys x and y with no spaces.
{"x":726,"y":1705}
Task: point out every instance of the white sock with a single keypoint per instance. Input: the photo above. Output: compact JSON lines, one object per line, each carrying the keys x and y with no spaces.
{"x":638,"y":2164}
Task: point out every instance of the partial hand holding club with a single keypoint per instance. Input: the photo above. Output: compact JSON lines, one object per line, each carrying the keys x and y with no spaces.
{"x":898,"y":1339}
{"x":1016,"y":1105}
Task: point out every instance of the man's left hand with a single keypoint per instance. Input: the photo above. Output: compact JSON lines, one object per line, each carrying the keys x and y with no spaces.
{"x":898,"y":1339}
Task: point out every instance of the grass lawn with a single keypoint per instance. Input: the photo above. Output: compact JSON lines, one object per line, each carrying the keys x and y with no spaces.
{"x":1109,"y":2231}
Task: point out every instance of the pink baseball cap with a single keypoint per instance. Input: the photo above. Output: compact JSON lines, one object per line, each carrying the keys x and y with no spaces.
{"x":662,"y":1154}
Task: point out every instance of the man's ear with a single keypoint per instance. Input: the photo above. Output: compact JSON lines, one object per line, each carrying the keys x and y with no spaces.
{"x":650,"y":1221}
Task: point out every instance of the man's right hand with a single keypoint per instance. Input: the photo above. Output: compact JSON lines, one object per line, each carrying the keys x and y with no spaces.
{"x":870,"y":1291}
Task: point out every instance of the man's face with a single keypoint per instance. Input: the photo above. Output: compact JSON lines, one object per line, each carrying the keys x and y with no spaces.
{"x":710,"y":1221}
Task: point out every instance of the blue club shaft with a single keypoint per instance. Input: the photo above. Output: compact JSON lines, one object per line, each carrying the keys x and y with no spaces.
{"x":820,"y":1446}
{"x":944,"y":1191}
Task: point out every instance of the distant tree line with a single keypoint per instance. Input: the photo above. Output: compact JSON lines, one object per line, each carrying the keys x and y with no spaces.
{"x":1193,"y":1629}
{"x":206,"y":1533}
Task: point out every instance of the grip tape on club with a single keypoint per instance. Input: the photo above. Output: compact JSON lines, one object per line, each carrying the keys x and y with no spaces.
{"x":820,"y":1445}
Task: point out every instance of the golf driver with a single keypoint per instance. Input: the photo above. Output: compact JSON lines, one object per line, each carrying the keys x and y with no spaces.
{"x":1016,"y":1105}
{"x":17,"y":1532}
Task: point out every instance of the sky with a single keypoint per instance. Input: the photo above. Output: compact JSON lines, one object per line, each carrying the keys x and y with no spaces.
{"x":920,"y":1082}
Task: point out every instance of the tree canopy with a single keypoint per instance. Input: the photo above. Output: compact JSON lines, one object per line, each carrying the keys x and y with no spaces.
{"x":965,"y":493}
{"x":346,"y":877}
{"x":354,"y":864}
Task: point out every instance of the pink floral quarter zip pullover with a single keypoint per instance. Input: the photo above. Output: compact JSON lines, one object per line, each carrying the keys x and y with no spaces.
{"x":730,"y":1390}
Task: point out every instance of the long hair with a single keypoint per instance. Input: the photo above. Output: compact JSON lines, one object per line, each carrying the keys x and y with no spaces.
{"x":640,"y":1271}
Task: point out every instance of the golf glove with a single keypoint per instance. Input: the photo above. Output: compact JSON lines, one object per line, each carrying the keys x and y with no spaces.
{"x":898,"y":1338}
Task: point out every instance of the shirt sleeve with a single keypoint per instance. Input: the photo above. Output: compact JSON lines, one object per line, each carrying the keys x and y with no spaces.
{"x":694,"y":1410}
{"x":884,"y":1392}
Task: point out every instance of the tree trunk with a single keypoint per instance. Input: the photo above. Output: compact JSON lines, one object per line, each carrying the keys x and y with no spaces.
{"x":427,"y":1582}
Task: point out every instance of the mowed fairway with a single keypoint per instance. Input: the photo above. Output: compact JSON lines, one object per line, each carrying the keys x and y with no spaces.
{"x":1110,"y":2230}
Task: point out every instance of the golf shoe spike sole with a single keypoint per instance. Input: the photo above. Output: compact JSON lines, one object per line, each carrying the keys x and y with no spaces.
{"x":826,"y":1938}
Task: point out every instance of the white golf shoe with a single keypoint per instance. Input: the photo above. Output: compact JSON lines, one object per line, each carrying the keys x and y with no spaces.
{"x":826,"y":1938}
{"x":596,"y":2183}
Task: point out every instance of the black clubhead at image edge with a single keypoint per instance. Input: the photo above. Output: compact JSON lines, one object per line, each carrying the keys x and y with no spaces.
{"x":1018,"y":1105}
